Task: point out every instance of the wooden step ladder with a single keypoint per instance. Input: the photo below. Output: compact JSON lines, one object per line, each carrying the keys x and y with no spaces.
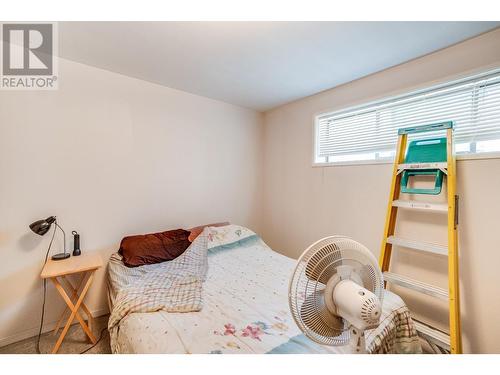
{"x":451,"y":342}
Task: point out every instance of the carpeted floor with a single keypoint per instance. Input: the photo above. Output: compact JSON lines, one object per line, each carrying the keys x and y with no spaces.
{"x":75,"y":341}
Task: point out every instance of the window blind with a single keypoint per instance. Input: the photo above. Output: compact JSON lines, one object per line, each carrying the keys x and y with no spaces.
{"x":370,"y":131}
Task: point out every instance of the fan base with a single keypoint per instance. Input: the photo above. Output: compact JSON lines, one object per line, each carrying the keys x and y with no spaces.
{"x":60,"y":256}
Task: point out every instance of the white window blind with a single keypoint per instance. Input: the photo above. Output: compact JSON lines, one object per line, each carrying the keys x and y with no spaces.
{"x":369,"y":132}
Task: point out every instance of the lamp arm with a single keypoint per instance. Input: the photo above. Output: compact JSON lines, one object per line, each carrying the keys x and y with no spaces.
{"x":64,"y":235}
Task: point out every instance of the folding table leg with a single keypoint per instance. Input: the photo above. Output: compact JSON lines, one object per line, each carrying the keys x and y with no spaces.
{"x":74,"y":296}
{"x":74,"y":310}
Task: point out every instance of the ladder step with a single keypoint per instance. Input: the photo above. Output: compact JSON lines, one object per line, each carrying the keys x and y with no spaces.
{"x":417,"y":245}
{"x":441,"y":165}
{"x":416,"y":205}
{"x":416,"y":285}
{"x":438,"y":337}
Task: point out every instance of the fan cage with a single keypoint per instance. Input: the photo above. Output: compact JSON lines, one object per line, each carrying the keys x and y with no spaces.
{"x":314,"y":268}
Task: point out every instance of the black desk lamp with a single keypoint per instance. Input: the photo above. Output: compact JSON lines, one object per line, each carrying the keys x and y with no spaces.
{"x":41,"y":227}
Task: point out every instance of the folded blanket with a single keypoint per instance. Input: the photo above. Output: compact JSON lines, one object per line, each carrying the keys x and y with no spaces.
{"x":398,"y":336}
{"x":172,"y":286}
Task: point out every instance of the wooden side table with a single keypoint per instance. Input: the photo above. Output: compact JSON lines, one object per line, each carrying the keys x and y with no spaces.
{"x":58,"y":270}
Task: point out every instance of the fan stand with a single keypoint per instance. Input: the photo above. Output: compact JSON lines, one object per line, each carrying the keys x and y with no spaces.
{"x":357,"y":342}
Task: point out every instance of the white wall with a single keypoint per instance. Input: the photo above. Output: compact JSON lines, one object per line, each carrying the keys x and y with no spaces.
{"x":302,"y":203}
{"x":112,"y":156}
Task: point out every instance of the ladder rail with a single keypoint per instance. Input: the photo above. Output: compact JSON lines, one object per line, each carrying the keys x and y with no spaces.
{"x":392,"y":211}
{"x":453,"y":282}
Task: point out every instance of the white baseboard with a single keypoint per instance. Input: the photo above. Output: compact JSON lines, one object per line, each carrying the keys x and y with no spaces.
{"x":49,"y":326}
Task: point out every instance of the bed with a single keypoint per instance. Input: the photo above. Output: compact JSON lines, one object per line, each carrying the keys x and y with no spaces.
{"x":245,"y":310}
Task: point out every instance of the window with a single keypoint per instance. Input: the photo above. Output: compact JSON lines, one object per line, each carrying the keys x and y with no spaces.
{"x":369,"y":132}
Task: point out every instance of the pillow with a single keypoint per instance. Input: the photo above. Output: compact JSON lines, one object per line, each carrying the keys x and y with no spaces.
{"x":196,"y":231}
{"x":228,"y":236}
{"x":154,"y":247}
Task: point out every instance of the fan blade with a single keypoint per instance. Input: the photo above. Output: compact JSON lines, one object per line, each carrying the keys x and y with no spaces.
{"x":323,"y":264}
{"x":318,"y":318}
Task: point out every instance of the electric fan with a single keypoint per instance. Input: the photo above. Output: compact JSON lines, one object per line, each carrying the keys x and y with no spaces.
{"x":336,"y":292}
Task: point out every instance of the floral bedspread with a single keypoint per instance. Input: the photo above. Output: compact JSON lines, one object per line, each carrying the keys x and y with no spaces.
{"x":245,"y":310}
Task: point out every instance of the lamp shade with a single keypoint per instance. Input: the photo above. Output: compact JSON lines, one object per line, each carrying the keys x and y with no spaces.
{"x":41,"y":227}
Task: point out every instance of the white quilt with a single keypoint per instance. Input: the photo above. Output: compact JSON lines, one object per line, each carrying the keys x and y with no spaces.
{"x":245,"y":310}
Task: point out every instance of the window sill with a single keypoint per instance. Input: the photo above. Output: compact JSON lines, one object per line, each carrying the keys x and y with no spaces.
{"x":481,"y":156}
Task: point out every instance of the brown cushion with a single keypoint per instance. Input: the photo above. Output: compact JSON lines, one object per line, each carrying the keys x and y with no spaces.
{"x":154,"y":247}
{"x":196,"y":231}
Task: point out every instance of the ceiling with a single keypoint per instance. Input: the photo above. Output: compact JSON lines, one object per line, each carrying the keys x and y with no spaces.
{"x":258,"y":65}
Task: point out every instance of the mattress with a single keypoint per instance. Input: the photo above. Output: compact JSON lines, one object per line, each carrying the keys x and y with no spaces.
{"x":245,"y":310}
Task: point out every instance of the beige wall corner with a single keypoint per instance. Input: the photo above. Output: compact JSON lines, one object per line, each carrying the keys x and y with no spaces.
{"x":110,"y":156}
{"x":303,"y":204}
